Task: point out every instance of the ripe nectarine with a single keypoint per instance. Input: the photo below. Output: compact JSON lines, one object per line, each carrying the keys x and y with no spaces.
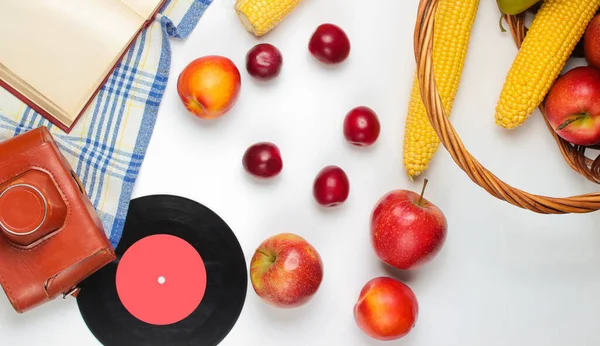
{"x":209,"y":86}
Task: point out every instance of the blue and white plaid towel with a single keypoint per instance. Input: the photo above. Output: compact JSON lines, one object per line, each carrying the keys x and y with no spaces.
{"x":108,"y":144}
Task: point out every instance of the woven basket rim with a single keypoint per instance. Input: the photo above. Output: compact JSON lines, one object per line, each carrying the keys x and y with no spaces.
{"x":449,"y":138}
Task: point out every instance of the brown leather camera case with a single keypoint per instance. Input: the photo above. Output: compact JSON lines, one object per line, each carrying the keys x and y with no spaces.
{"x":50,"y":235}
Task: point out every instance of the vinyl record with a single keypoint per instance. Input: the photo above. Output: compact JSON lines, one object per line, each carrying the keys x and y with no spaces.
{"x":180,"y":278}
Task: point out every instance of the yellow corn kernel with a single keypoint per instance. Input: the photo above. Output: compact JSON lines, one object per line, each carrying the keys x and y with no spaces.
{"x":452,"y":29}
{"x":550,"y":40}
{"x":260,"y":16}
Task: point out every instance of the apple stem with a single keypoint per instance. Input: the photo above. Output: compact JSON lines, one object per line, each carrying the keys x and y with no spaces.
{"x":571,"y":120}
{"x":420,"y":203}
{"x":271,"y":257}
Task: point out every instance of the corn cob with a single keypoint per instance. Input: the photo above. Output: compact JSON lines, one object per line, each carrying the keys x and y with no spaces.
{"x":550,"y":40}
{"x":260,"y":16}
{"x":453,"y":23}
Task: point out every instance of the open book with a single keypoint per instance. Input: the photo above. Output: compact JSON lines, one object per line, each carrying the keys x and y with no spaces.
{"x":55,"y":55}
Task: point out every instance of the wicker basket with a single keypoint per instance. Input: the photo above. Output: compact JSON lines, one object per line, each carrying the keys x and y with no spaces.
{"x":574,"y":155}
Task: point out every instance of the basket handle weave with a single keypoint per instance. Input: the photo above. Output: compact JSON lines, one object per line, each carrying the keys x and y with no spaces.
{"x":423,"y":48}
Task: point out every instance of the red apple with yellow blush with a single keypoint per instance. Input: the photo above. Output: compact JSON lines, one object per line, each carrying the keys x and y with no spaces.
{"x":573,"y":106}
{"x":286,"y":270}
{"x":209,"y":86}
{"x":407,"y":230}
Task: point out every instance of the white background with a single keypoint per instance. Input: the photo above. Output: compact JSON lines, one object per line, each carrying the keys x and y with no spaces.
{"x":505,"y":276}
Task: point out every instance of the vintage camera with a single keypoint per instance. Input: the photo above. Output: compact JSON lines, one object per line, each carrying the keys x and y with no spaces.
{"x":50,"y":235}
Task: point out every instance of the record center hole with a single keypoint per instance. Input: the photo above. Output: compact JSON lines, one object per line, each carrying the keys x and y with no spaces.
{"x":161,"y":280}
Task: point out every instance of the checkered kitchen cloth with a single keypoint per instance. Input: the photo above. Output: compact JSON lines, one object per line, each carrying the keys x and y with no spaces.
{"x":108,"y":144}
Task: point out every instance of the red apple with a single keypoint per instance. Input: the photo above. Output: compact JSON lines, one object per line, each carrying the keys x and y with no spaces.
{"x":591,"y":42}
{"x":387,"y":309}
{"x":573,"y":106}
{"x":209,"y":86}
{"x":407,"y":230}
{"x":286,"y":271}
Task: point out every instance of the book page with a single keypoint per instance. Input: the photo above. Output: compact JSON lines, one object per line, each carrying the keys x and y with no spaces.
{"x":144,"y":8}
{"x":63,"y":49}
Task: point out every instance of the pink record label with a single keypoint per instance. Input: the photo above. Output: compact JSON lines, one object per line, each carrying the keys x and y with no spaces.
{"x":161,"y":279}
